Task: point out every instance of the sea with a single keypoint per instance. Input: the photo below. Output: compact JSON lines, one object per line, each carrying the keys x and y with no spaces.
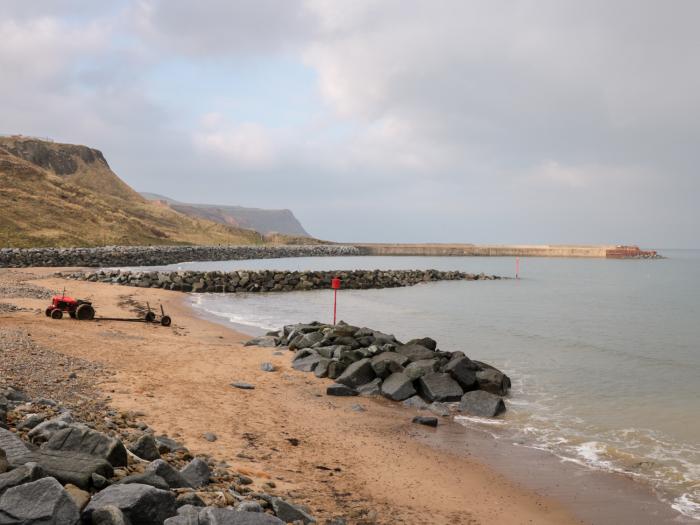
{"x":604,"y":355}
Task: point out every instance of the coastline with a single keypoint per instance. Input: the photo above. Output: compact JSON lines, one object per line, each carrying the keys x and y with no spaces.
{"x":179,"y":377}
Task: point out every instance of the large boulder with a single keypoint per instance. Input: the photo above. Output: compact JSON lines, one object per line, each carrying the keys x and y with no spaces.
{"x":146,"y":448}
{"x":25,"y":474}
{"x":289,"y":513}
{"x":109,"y":515}
{"x":43,"y":431}
{"x":265,"y":341}
{"x":43,"y":501}
{"x":306,"y":340}
{"x":415,"y":352}
{"x":373,"y":388}
{"x":398,"y":387}
{"x":357,"y":374}
{"x":79,"y":438}
{"x":140,"y":504}
{"x":307,"y":364}
{"x":462,"y":370}
{"x":439,"y":387}
{"x":481,"y":403}
{"x":167,"y":472}
{"x":493,"y":380}
{"x":422,"y":367}
{"x":336,"y":389}
{"x":196,"y":472}
{"x":427,"y":342}
{"x":217,"y":516}
{"x":387,"y":363}
{"x":146,"y":478}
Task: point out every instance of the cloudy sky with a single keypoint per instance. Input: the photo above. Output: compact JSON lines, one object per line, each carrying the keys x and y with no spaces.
{"x":389,"y":120}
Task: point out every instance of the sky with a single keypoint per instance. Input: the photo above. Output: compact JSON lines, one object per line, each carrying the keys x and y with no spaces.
{"x":543,"y":121}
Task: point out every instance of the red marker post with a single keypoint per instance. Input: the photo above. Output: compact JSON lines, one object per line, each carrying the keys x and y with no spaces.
{"x":335,"y":284}
{"x":517,"y":267}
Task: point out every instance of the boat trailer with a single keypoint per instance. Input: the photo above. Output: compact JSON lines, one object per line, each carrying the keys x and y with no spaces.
{"x":149,"y":317}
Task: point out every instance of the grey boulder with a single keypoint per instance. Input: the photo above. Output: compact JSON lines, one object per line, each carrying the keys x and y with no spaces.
{"x":146,"y":478}
{"x":397,"y":387}
{"x":415,"y":352}
{"x":289,"y":513}
{"x":217,"y":516}
{"x":493,"y":380}
{"x":358,"y":373}
{"x":171,"y":476}
{"x":481,"y":403}
{"x":422,"y":367}
{"x":25,"y":474}
{"x":462,"y":370}
{"x":145,"y":448}
{"x":373,"y":388}
{"x":427,"y":342}
{"x":140,"y":504}
{"x":306,"y":364}
{"x":43,"y":501}
{"x":43,"y":431}
{"x":79,"y":438}
{"x":439,"y":387}
{"x":339,"y":390}
{"x":109,"y":515}
{"x":196,"y":472}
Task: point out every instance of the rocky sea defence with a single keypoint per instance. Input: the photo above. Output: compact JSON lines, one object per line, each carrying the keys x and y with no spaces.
{"x":271,"y":280}
{"x":364,"y":361}
{"x":158,"y":255}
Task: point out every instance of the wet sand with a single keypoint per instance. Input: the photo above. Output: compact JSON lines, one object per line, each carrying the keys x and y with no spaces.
{"x":371,"y":466}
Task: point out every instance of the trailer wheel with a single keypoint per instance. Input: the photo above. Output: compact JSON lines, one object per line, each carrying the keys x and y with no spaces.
{"x":48,"y":311}
{"x":85,"y":312}
{"x":150,"y":317}
{"x":56,"y":314}
{"x":165,"y":320}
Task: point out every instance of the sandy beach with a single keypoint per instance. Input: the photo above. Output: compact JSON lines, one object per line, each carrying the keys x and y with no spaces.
{"x":366,"y":466}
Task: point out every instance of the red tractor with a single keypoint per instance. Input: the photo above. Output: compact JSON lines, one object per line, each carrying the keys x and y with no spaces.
{"x":76,"y":308}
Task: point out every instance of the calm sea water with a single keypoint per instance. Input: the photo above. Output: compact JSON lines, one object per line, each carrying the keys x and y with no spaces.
{"x":604,"y":354}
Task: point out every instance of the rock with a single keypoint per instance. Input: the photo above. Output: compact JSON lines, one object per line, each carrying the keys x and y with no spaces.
{"x":266,"y":341}
{"x":415,"y":352}
{"x":171,"y":476}
{"x":335,"y":369}
{"x":387,"y":363}
{"x":462,"y":370}
{"x":415,"y":402}
{"x":306,"y":340}
{"x":4,"y":464}
{"x":337,"y":389}
{"x":358,"y":408}
{"x":140,"y":504}
{"x":357,"y":373}
{"x":439,"y":387}
{"x":429,"y":421}
{"x":31,"y":421}
{"x":166,"y":444}
{"x":196,"y":472}
{"x":426,"y":342}
{"x":189,"y":498}
{"x":397,"y":387}
{"x":210,"y":436}
{"x":16,"y":452}
{"x":216,"y":516}
{"x":146,"y":478}
{"x":109,"y":515}
{"x":72,"y":467}
{"x":25,"y":474}
{"x":494,"y":381}
{"x":243,"y":386}
{"x":321,"y":369}
{"x":267,"y":367}
{"x":41,"y":501}
{"x":422,"y":367}
{"x":43,"y":431}
{"x":99,"y":482}
{"x":15,"y":395}
{"x":249,"y":506}
{"x":289,"y":513}
{"x":373,"y":388}
{"x":481,"y":403}
{"x":145,"y":448}
{"x":80,"y":497}
{"x":306,"y":364}
{"x":79,"y":438}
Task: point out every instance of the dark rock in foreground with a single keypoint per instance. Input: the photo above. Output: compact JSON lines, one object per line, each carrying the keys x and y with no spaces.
{"x":140,"y":504}
{"x":482,"y":404}
{"x":429,"y":421}
{"x":41,"y":501}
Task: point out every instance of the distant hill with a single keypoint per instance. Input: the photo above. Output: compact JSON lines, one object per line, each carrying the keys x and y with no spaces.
{"x":258,"y":219}
{"x":55,"y":194}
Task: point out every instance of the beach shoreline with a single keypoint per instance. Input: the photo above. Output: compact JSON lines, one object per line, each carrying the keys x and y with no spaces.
{"x":389,"y":469}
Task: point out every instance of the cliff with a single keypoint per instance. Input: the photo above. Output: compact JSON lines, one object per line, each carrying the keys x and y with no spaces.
{"x":262,"y":220}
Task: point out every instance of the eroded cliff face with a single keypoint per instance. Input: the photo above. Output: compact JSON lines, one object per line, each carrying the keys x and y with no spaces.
{"x":61,"y":159}
{"x":265,"y":221}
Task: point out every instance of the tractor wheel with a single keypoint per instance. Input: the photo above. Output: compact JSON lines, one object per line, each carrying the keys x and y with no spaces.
{"x":85,"y":312}
{"x":48,"y":311}
{"x":56,"y":314}
{"x":165,"y":320}
{"x":150,"y":317}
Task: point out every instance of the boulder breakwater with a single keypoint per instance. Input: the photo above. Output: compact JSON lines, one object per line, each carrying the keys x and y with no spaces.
{"x":271,"y":280}
{"x":364,"y":361}
{"x":158,"y":255}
